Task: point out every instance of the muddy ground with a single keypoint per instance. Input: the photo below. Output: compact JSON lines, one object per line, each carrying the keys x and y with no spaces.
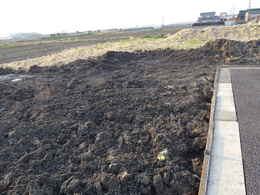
{"x":121,"y":124}
{"x":38,"y":48}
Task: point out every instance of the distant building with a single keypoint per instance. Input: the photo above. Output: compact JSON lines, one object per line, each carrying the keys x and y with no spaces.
{"x":223,"y":15}
{"x":229,"y":19}
{"x":252,"y":14}
{"x":247,"y":15}
{"x":207,"y":14}
{"x":230,"y":22}
{"x":241,"y":17}
{"x":209,"y":17}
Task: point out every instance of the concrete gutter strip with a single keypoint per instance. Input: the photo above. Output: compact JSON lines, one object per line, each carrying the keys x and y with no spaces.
{"x":227,"y":175}
{"x":222,"y":172}
{"x":226,"y":168}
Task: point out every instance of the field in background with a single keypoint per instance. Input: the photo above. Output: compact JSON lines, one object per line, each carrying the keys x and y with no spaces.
{"x":31,"y":48}
{"x":173,"y":38}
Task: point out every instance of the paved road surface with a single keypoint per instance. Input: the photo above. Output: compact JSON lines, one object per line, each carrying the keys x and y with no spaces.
{"x":246,"y":89}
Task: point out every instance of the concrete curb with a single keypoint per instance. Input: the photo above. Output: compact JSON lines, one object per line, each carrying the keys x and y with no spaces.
{"x":206,"y":162}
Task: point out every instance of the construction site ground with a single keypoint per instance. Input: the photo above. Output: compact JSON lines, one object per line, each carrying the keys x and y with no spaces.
{"x":121,"y":123}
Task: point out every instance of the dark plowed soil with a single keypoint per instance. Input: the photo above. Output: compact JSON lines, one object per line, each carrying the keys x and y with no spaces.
{"x":122,"y":124}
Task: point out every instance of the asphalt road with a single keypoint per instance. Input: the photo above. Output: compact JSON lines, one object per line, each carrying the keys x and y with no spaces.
{"x":246,"y":89}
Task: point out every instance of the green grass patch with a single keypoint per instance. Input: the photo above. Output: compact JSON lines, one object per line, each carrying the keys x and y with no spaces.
{"x":192,"y":43}
{"x":155,"y":36}
{"x":195,"y":41}
{"x":9,"y":44}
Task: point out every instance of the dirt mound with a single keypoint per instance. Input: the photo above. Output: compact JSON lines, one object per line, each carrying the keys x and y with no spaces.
{"x":124,"y":123}
{"x":233,"y":52}
{"x":220,"y":51}
{"x":244,"y":32}
{"x":234,"y":48}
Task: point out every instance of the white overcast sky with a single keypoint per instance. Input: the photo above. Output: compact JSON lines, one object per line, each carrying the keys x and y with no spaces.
{"x":48,"y":16}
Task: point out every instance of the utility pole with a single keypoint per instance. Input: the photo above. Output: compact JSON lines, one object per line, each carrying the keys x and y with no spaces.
{"x":233,"y":10}
{"x":248,"y":12}
{"x":162,"y":22}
